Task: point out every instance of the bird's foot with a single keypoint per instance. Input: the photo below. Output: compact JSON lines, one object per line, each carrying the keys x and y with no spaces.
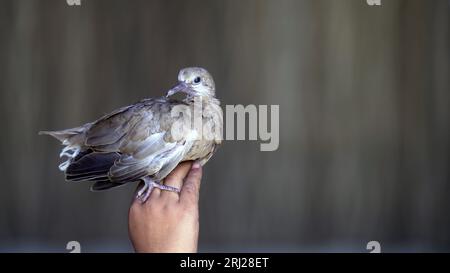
{"x":165,"y":187}
{"x":144,"y":193}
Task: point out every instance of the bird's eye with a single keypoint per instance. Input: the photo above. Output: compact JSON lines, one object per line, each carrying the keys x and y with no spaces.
{"x":197,"y":80}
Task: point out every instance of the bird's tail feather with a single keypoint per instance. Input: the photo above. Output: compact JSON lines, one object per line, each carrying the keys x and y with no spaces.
{"x":72,"y":138}
{"x":105,"y":185}
{"x":64,"y":135}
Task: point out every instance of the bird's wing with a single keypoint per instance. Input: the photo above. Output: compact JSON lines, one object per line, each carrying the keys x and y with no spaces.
{"x":153,"y":156}
{"x":142,"y":135}
{"x":109,"y":130}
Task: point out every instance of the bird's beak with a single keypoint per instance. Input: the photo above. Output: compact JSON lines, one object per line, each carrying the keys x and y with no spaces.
{"x":181,"y":87}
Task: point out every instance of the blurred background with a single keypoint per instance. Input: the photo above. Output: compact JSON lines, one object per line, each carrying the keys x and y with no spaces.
{"x":364,"y":99}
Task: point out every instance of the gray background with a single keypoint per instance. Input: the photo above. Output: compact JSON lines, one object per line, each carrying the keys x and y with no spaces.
{"x":364,"y":118}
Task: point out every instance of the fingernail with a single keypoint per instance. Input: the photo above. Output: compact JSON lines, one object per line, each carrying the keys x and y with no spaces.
{"x":196,"y":166}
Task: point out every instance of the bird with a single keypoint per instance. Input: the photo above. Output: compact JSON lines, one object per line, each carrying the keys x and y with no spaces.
{"x":140,"y":142}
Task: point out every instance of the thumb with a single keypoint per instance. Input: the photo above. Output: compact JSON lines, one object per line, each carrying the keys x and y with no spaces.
{"x":191,"y":188}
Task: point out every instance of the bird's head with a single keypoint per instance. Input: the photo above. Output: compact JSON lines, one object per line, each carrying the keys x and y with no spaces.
{"x":194,"y":81}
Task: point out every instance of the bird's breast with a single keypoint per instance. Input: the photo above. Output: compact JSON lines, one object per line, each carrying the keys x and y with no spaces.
{"x":200,"y":149}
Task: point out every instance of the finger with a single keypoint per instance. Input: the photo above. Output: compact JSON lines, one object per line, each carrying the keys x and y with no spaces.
{"x":191,"y":187}
{"x":154,"y":194}
{"x":176,"y":177}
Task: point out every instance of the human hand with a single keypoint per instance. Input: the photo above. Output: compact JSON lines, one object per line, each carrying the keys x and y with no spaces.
{"x":168,"y":221}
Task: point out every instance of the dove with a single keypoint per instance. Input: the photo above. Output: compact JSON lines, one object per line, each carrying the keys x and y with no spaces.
{"x":138,"y":143}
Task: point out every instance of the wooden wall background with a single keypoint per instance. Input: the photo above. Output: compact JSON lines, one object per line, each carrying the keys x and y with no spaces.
{"x":364,"y":112}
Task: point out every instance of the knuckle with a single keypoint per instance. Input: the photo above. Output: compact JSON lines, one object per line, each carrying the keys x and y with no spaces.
{"x":171,"y":211}
{"x":169,"y":208}
{"x":154,"y":206}
{"x":190,"y":188}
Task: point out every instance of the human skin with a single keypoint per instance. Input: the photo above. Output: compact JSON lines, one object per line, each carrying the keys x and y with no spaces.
{"x":168,"y":221}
